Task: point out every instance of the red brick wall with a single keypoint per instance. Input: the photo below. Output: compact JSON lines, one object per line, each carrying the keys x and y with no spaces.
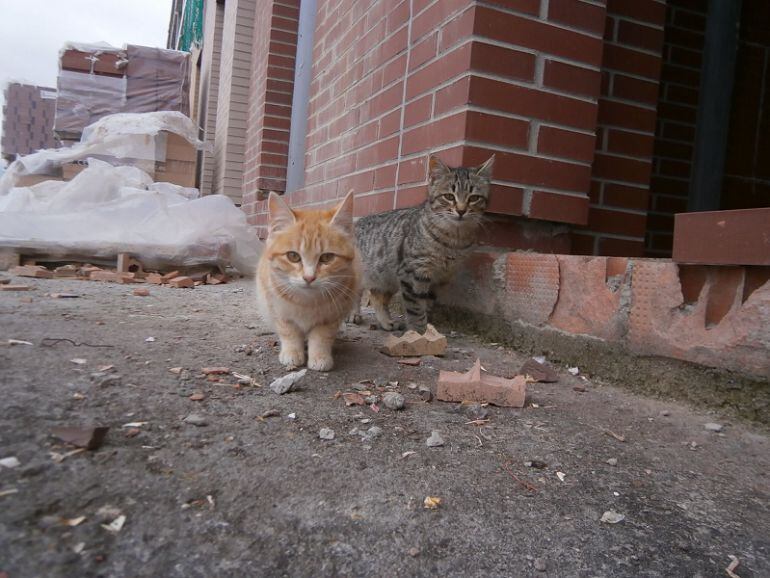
{"x":394,"y":81}
{"x":677,"y":112}
{"x":269,"y":119}
{"x":631,"y":63}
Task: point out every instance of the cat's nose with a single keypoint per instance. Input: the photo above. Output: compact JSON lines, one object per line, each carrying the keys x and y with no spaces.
{"x":461,"y":211}
{"x":308,"y":278}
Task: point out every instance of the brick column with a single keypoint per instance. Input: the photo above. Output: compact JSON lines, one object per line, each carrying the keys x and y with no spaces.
{"x":233,"y":98}
{"x":209,"y":88}
{"x":631,"y":64}
{"x":270,"y":93}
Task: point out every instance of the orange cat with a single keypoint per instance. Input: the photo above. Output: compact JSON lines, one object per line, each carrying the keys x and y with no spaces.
{"x":308,"y":279}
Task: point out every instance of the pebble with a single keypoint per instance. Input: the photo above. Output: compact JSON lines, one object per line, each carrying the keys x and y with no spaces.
{"x":539,"y":564}
{"x":11,"y":462}
{"x":196,"y":420}
{"x":711,"y":426}
{"x":373,"y":432}
{"x":425,"y":393}
{"x":105,"y":380}
{"x":435,"y":440}
{"x":393,"y":400}
{"x":286,"y":383}
{"x":413,"y":552}
{"x":326,"y":434}
{"x":613,"y":461}
{"x":612,"y":517}
{"x":476,"y":411}
{"x":537,"y":464}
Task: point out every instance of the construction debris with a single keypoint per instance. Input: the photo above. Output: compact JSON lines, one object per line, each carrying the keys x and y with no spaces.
{"x":181,"y":282}
{"x":612,"y":517}
{"x":412,"y":344}
{"x":36,"y":271}
{"x":90,"y":438}
{"x":431,"y":502}
{"x":481,"y":387}
{"x":15,"y":288}
{"x":141,"y":292}
{"x":286,"y":383}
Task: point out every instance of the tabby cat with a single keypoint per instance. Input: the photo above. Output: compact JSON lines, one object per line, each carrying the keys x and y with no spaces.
{"x":417,"y":249}
{"x":308,"y":279}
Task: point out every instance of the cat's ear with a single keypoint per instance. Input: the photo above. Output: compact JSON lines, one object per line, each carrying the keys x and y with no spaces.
{"x":436,"y":167}
{"x":343,"y":216}
{"x":281,"y":215}
{"x":485,"y":170}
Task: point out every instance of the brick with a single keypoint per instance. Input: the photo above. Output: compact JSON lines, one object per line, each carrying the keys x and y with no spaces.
{"x":537,"y":35}
{"x":621,"y":114}
{"x":452,"y":96}
{"x":635,"y":89}
{"x":634,"y":34}
{"x":625,"y":59}
{"x":423,"y":51}
{"x":418,"y":110}
{"x":571,"y":78}
{"x":445,"y":68}
{"x":154,"y":278}
{"x":15,"y":288}
{"x":429,"y":136}
{"x":373,"y":203}
{"x":492,"y":129}
{"x":524,"y":101}
{"x":502,"y":61}
{"x":505,"y":200}
{"x":456,"y":30}
{"x":616,"y":168}
{"x":110,"y":276}
{"x":577,"y":14}
{"x":621,"y":247}
{"x":557,"y":142}
{"x":36,"y":271}
{"x":646,"y":10}
{"x":617,"y":222}
{"x":181,"y":282}
{"x":630,"y":143}
{"x":626,"y":197}
{"x":558,"y":207}
{"x":481,"y":387}
{"x":413,"y":344}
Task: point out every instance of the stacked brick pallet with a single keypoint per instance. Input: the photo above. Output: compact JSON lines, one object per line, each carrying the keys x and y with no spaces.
{"x":28,"y":116}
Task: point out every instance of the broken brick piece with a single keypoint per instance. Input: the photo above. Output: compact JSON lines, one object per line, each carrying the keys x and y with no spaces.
{"x":541,"y":372}
{"x":154,"y":278}
{"x":90,"y":438}
{"x":412,"y":344}
{"x":168,"y":276}
{"x":216,"y":278}
{"x":481,"y":387}
{"x":66,"y":271}
{"x":101,"y":275}
{"x":216,"y":370}
{"x":15,"y":288}
{"x":141,"y":292}
{"x":179,"y":282}
{"x":36,"y":271}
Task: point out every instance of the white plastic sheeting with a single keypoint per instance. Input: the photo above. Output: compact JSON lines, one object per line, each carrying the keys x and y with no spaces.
{"x":106,"y":210}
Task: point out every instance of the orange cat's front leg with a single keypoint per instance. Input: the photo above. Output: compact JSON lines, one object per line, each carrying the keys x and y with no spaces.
{"x":292,"y":344}
{"x":319,"y":347}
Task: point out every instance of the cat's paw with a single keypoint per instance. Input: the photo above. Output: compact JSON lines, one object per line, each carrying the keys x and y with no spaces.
{"x":291,"y":358}
{"x":320,"y":363}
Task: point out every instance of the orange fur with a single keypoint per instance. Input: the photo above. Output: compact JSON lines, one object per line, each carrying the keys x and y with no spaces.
{"x":307,"y":299}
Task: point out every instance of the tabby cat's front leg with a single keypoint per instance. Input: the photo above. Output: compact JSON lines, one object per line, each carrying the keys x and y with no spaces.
{"x":417,"y":295}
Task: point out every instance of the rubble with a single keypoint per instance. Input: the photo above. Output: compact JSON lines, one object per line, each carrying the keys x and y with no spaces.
{"x":286,"y":383}
{"x":412,"y":344}
{"x":612,"y":517}
{"x":482,"y":387}
{"x":181,"y":282}
{"x":326,"y":434}
{"x":435,"y":440}
{"x":141,"y":292}
{"x":90,"y":438}
{"x":36,"y":271}
{"x":15,"y":288}
{"x":713,"y":427}
{"x":196,"y":420}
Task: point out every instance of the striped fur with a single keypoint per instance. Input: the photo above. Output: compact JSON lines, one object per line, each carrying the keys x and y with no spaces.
{"x":415,"y":250}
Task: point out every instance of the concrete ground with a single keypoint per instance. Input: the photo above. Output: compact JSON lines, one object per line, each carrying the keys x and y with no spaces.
{"x":244,"y":495}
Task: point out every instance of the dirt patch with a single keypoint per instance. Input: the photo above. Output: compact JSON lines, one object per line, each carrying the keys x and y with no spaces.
{"x":232,"y":493}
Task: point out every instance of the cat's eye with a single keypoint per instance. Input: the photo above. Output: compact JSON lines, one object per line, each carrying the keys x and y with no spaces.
{"x":326,"y":257}
{"x":474,"y":198}
{"x":449,"y":196}
{"x":293,"y":256}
